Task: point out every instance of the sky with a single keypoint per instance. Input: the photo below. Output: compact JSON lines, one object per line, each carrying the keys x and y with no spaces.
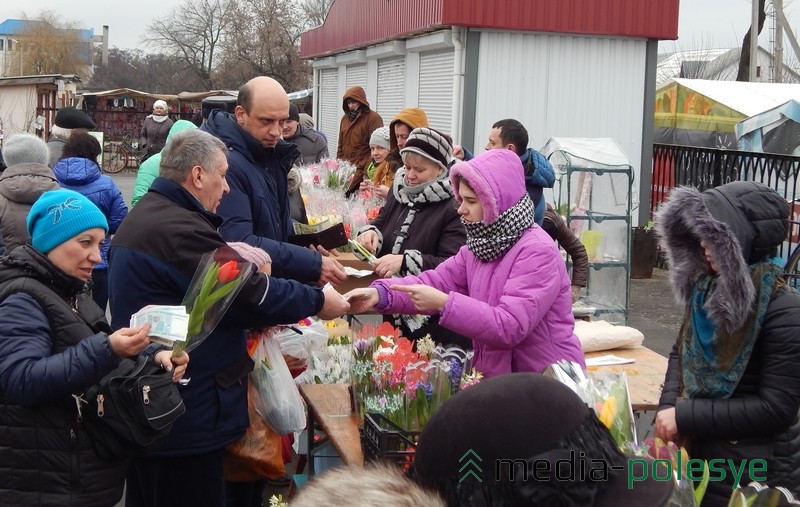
{"x":703,"y":24}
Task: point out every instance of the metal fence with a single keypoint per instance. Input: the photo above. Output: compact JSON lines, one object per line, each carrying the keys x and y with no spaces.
{"x":706,"y":168}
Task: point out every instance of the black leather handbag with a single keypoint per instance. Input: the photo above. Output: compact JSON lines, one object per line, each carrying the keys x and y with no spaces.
{"x":131,"y":409}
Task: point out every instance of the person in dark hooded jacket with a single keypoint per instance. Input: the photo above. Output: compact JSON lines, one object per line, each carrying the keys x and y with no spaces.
{"x":355,"y":129}
{"x":732,"y":388}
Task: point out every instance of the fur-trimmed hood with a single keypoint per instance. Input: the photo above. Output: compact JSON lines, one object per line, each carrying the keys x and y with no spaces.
{"x":496,"y":177}
{"x":742,"y":222}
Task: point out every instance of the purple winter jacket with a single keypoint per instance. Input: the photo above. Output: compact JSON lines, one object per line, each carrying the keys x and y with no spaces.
{"x":517,"y":308}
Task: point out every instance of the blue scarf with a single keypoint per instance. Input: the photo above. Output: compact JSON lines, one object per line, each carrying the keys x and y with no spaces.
{"x":712,"y":360}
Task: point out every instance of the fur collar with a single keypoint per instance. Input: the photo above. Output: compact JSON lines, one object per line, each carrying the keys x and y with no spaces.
{"x":681,"y":224}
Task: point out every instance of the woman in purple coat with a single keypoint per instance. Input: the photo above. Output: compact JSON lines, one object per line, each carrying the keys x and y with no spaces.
{"x":507,"y":288}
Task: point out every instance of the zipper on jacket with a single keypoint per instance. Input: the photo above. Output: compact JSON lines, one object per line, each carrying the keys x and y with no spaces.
{"x":101,"y":410}
{"x":146,"y":395}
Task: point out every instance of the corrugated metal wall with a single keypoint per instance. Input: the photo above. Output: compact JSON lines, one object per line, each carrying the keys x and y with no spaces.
{"x":330,"y":107}
{"x":562,"y":86}
{"x":391,"y":90}
{"x":357,"y":75}
{"x":436,"y":88}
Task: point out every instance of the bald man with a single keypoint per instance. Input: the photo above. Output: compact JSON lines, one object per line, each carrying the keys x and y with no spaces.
{"x":256,"y":211}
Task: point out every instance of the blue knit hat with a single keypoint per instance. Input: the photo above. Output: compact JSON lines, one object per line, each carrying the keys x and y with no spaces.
{"x":59,"y":215}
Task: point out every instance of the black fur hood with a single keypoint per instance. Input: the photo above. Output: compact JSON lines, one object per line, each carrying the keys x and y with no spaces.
{"x":743,"y":222}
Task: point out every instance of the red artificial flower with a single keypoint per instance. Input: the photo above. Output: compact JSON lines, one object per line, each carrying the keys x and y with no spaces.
{"x":227,"y":272}
{"x":373,"y":212}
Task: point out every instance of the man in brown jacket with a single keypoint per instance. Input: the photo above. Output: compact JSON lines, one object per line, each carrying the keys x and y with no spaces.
{"x":355,"y":129}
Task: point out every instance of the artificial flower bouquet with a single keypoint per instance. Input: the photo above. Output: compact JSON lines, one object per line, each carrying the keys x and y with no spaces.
{"x":219,"y":277}
{"x":331,"y":362}
{"x":405,"y":385}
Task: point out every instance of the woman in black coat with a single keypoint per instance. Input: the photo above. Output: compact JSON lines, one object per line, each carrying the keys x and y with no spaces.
{"x":55,"y":342}
{"x":732,"y":389}
{"x":418,"y":228}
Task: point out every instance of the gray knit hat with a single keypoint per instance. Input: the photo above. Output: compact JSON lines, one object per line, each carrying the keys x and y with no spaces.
{"x":431,"y":144}
{"x":380,"y":137}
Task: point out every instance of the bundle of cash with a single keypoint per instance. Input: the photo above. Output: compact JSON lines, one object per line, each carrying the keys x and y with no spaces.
{"x":168,"y":324}
{"x":311,"y":229}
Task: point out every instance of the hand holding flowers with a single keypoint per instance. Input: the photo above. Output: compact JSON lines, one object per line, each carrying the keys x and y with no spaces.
{"x":216,"y":283}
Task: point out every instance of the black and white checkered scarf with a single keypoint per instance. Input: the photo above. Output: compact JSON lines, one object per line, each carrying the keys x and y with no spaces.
{"x":487,"y":242}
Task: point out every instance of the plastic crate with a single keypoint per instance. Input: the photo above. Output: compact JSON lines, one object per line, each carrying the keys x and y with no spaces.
{"x":383,"y":440}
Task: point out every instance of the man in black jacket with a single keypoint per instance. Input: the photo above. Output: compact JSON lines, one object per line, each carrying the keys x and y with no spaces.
{"x":153,"y":257}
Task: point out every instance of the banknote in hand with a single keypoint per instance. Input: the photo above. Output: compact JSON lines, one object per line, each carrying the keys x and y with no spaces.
{"x":168,"y":324}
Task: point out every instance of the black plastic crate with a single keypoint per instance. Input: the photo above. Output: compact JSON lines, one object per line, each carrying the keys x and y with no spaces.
{"x":383,"y":440}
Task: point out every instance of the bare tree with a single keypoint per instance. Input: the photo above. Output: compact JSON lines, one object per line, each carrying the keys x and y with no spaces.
{"x":48,"y":46}
{"x":744,"y":60}
{"x":194,"y":33}
{"x":315,"y":11}
{"x":265,"y":45}
{"x":149,"y":72}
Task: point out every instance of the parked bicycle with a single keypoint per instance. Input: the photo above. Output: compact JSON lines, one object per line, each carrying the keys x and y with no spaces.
{"x":117,"y":155}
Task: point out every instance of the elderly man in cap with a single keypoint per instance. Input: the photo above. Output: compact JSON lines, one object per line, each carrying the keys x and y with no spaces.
{"x":67,"y":118}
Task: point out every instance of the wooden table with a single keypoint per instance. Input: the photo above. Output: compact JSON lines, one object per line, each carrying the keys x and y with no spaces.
{"x":329,"y":406}
{"x":645,"y":376}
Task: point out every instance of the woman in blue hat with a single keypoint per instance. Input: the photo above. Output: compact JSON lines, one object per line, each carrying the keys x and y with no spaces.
{"x":55,"y":341}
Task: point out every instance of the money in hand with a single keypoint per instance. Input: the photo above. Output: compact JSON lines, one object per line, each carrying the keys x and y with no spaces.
{"x":168,"y":324}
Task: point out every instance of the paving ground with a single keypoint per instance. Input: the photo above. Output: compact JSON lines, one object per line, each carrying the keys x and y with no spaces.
{"x":653,"y":311}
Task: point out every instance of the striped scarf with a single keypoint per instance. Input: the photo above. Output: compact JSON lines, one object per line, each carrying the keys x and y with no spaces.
{"x":416,"y":197}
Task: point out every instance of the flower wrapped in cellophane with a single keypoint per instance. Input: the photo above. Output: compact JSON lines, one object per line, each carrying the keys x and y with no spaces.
{"x":329,"y":173}
{"x":219,"y":277}
{"x":331,"y":362}
{"x":687,"y":490}
{"x":327,"y":207}
{"x":605,"y":392}
{"x":613,"y":407}
{"x":757,"y":494}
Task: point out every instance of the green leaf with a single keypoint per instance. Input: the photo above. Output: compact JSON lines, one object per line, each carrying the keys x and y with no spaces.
{"x":700,"y":489}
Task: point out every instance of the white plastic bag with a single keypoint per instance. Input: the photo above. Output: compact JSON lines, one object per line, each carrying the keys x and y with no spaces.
{"x":277,"y":399}
{"x":311,"y":337}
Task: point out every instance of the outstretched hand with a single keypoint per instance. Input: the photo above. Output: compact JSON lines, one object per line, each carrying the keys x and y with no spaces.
{"x":425,"y":298}
{"x":362,"y":300}
{"x":335,"y":305}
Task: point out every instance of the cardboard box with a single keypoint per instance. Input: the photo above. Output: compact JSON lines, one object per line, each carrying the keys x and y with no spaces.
{"x":348,"y":259}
